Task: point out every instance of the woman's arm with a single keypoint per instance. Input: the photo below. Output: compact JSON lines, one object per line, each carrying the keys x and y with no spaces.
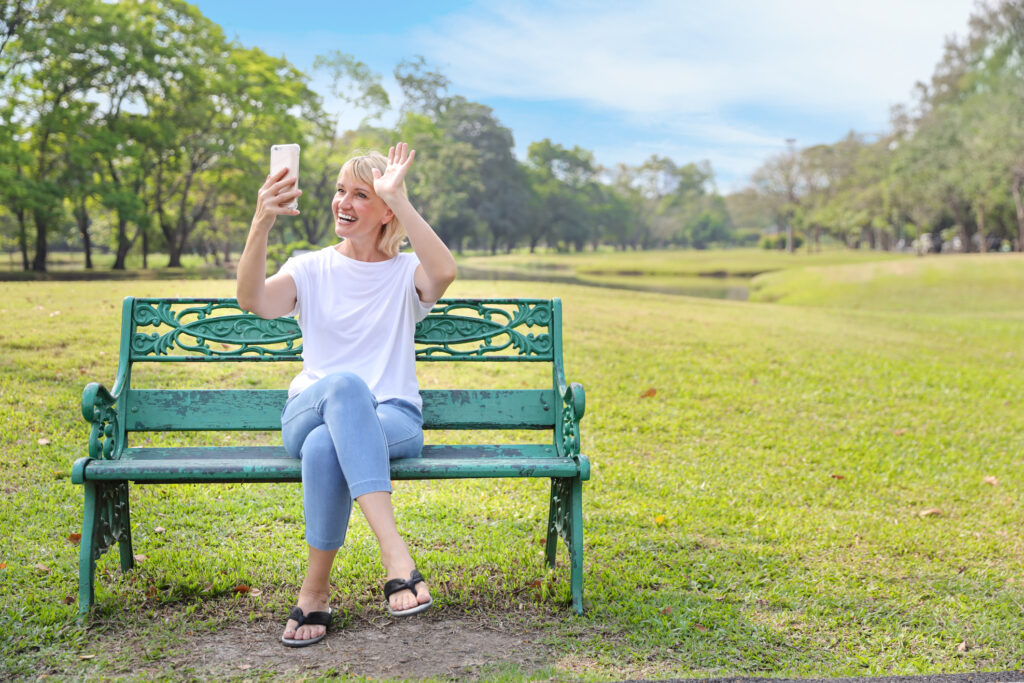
{"x":275,"y":296}
{"x":437,"y":267}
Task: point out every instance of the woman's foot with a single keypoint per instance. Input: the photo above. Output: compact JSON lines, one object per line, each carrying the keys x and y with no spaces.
{"x":309,"y":601}
{"x":402,"y":569}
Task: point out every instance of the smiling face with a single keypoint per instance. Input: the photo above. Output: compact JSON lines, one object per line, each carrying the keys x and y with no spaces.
{"x":358,"y":211}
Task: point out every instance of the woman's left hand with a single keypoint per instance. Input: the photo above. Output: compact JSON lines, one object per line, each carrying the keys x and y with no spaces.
{"x":388,"y":185}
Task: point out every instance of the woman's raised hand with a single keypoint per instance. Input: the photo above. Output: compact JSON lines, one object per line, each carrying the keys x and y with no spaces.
{"x":275,"y":196}
{"x":388,"y":185}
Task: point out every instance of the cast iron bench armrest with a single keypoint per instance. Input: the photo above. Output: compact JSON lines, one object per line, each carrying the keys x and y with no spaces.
{"x":99,"y":408}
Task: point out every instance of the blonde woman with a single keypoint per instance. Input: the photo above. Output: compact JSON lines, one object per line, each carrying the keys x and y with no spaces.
{"x":356,"y":403}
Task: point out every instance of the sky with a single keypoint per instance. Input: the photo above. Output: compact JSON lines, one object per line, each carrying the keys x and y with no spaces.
{"x":727,"y":81}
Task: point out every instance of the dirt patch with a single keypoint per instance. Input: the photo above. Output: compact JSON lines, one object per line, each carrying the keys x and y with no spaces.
{"x":432,"y":645}
{"x":421,"y":647}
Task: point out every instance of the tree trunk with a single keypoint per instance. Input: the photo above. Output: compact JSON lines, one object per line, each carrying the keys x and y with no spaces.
{"x":123,"y":244}
{"x":83,"y":221}
{"x":23,"y":239}
{"x":1019,"y":203}
{"x":982,"y":247}
{"x":42,"y":228}
{"x":144,"y":228}
{"x":789,"y":238}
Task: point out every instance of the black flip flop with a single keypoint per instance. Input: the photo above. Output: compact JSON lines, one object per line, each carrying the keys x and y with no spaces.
{"x":395,"y":585}
{"x":312,"y":619}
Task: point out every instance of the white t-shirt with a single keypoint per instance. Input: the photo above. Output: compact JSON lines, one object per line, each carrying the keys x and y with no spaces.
{"x":358,"y":317}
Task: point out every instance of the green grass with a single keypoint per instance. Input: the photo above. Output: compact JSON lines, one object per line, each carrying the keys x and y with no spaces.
{"x":760,"y":514}
{"x":979,"y":283}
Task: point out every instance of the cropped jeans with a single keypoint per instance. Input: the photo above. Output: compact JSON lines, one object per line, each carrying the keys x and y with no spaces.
{"x":346,"y":440}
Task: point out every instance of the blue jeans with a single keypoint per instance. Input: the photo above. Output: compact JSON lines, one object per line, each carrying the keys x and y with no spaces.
{"x":345,"y":439}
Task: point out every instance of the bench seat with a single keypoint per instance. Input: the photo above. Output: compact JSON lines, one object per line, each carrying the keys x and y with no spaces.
{"x":226,"y":464}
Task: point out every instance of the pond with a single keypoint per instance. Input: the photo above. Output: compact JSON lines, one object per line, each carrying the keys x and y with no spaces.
{"x":715,"y":285}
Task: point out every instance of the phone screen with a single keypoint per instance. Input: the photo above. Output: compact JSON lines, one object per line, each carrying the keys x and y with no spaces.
{"x":285,"y":156}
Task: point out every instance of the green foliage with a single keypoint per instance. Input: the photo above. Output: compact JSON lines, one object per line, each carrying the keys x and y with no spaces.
{"x":778,"y":241}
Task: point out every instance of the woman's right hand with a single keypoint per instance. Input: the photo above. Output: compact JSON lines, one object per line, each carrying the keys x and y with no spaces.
{"x":275,"y":195}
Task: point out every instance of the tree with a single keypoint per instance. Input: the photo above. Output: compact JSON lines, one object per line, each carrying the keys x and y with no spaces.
{"x":566,"y":183}
{"x":778,"y":180}
{"x":500,"y":199}
{"x":54,"y":66}
{"x":218,"y":99}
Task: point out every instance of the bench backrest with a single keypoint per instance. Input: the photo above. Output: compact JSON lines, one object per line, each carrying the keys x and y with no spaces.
{"x":218,"y":331}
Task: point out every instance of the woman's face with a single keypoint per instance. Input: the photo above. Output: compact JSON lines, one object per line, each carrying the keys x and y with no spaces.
{"x":357,"y":209}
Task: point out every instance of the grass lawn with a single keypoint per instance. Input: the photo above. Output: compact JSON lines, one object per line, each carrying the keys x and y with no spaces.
{"x":825,"y":489}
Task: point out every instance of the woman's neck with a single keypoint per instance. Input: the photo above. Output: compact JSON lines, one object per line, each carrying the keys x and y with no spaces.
{"x":361,"y":252}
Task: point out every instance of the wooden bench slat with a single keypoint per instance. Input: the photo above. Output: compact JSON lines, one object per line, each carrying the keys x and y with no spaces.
{"x":278,"y":452}
{"x":270,"y":463}
{"x":160,"y":410}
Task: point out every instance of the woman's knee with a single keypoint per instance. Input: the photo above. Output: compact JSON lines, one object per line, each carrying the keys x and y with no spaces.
{"x":318,"y":448}
{"x":346,"y":386}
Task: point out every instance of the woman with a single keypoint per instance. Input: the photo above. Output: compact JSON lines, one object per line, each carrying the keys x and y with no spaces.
{"x":356,"y":403}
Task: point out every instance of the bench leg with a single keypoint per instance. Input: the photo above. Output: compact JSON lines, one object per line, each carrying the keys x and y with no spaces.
{"x":565,"y":519}
{"x":88,"y":551}
{"x":105,"y":521}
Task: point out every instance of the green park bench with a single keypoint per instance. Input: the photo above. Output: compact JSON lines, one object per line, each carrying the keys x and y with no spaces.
{"x":217,"y":331}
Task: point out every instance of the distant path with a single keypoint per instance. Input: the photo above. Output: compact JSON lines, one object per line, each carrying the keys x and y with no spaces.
{"x":994,"y":677}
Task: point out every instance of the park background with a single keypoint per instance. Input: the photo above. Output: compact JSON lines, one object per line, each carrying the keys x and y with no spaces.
{"x":803,"y":392}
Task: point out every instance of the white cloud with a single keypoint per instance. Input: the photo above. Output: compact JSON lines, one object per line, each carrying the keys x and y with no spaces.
{"x":659,"y":56}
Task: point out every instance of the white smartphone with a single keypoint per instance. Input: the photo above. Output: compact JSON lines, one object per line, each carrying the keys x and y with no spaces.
{"x":282,"y":156}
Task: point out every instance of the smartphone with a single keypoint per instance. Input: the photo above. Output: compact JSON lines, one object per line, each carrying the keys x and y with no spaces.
{"x":282,"y":156}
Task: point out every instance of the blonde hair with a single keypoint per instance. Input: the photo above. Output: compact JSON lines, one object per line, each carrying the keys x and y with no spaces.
{"x":392,"y":233}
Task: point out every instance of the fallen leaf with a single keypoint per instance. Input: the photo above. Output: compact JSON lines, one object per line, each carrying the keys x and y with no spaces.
{"x":701,"y":627}
{"x":245,"y":667}
{"x":666,"y":610}
{"x":536,"y":583}
{"x":962,"y":646}
{"x":86,"y":656}
{"x":899,"y":432}
{"x":151,"y":592}
{"x":649,"y":393}
{"x":68,"y":600}
{"x":255,"y":592}
{"x":991,"y":481}
{"x":838,"y":476}
{"x":930,"y":512}
{"x":75,"y":537}
{"x":241,"y":588}
{"x":141,"y":558}
{"x":159,"y":530}
{"x":3,"y":565}
{"x":41,"y":567}
{"x":43,"y":442}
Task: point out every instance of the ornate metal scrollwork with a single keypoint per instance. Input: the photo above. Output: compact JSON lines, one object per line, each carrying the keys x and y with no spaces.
{"x":570,"y":430}
{"x":195,"y":328}
{"x":103,"y":435}
{"x":561,"y":509}
{"x":465,"y":330}
{"x":112,"y":522}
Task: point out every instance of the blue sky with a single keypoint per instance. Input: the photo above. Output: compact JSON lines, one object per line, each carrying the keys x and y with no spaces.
{"x":727,"y":81}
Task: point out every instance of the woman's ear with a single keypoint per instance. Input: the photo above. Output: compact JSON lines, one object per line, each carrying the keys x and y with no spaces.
{"x":389,"y":215}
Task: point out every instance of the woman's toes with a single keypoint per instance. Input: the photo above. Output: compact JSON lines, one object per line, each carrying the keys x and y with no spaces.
{"x":289,"y":629}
